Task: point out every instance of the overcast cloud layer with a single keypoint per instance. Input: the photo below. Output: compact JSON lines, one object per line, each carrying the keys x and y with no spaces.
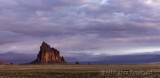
{"x":96,"y":27}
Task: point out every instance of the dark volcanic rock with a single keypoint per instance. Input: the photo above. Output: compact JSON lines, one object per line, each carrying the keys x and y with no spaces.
{"x":48,"y":55}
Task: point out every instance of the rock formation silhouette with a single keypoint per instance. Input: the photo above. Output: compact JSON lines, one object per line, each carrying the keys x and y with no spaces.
{"x":48,"y":55}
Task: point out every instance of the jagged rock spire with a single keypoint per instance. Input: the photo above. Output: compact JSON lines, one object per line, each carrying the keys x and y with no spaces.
{"x":48,"y":55}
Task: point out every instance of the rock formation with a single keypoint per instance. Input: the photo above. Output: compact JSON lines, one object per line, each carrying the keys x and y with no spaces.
{"x":48,"y":55}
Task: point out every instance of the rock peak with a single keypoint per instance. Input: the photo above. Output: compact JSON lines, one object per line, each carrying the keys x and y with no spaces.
{"x":45,"y":47}
{"x":44,"y":43}
{"x":48,"y":55}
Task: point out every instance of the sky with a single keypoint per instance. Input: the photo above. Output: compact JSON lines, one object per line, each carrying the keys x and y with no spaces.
{"x":95,"y":27}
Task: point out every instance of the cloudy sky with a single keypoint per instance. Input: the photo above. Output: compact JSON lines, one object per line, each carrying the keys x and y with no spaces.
{"x":111,"y":27}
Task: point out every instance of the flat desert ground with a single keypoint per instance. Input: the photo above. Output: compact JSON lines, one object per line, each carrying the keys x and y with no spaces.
{"x":79,"y":71}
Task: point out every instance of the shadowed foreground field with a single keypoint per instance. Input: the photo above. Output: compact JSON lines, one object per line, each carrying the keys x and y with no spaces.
{"x":79,"y":71}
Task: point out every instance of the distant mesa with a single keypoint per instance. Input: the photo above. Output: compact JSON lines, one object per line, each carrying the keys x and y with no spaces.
{"x":48,"y":55}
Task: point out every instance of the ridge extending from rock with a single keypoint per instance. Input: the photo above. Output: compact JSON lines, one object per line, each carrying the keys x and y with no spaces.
{"x":48,"y":55}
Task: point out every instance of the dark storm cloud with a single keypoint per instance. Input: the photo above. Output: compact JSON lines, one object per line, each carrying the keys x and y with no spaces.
{"x":98,"y":25}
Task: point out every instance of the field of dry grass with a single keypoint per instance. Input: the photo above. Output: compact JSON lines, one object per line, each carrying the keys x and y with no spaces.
{"x":76,"y":68}
{"x":77,"y":71}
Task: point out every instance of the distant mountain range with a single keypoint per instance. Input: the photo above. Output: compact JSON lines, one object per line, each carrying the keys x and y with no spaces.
{"x":18,"y":58}
{"x":144,"y":58}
